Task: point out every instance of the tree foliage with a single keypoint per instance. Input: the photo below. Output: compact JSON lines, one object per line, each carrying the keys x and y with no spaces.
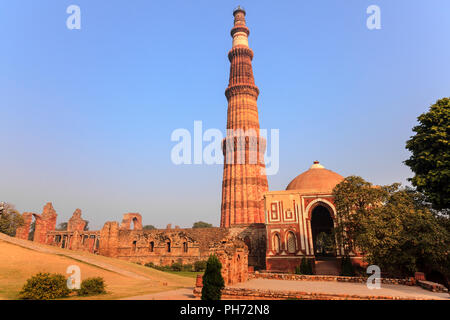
{"x":200,"y":266}
{"x":430,"y":159}
{"x":45,"y":286}
{"x":355,"y":199}
{"x":149,"y":227}
{"x":305,"y":267}
{"x":201,"y":224}
{"x":213,"y":282}
{"x":393,"y":226}
{"x":347,"y":268}
{"x":10,"y":219}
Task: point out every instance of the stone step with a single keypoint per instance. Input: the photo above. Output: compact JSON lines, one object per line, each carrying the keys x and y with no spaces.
{"x":327,"y":267}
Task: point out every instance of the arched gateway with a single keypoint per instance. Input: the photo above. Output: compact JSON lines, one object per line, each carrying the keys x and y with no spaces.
{"x":322,"y":226}
{"x":304,"y":217}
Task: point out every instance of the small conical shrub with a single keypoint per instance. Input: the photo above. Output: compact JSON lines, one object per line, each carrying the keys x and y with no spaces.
{"x":213,"y":282}
{"x":297,"y":270}
{"x":305,"y":266}
{"x":347,"y":268}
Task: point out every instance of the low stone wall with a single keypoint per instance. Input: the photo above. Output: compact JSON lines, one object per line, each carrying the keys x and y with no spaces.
{"x":432,"y":286}
{"x":300,"y":277}
{"x":256,"y":294}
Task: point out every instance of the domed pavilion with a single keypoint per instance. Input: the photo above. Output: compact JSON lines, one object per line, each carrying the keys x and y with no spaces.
{"x":300,"y":221}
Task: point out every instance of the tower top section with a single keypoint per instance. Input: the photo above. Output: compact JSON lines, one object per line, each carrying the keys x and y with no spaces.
{"x":239,"y":9}
{"x":240,"y":32}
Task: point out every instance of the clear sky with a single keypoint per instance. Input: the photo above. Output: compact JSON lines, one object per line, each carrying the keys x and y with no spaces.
{"x":87,"y":115}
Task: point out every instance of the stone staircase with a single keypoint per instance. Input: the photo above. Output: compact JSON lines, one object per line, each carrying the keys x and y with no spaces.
{"x":327,"y":266}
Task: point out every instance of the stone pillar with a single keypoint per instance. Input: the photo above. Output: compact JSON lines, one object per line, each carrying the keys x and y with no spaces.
{"x":45,"y":222}
{"x":109,"y":239}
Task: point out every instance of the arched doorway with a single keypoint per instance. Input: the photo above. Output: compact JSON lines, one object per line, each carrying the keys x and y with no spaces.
{"x":322,"y":231}
{"x":133,"y":224}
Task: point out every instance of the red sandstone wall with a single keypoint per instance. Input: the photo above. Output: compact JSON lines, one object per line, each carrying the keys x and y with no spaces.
{"x":76,"y":223}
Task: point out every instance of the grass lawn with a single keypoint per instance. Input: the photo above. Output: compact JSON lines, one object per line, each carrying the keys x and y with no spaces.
{"x":17,"y":264}
{"x":190,"y":274}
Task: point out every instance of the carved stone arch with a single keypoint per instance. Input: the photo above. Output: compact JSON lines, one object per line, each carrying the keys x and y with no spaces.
{"x":291,"y":241}
{"x":321,"y":201}
{"x":130,"y":218}
{"x":276,"y":242}
{"x":185,"y":243}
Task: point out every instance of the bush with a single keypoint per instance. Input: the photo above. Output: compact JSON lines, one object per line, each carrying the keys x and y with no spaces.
{"x":176,"y":266}
{"x":213,"y":282}
{"x":92,"y":286}
{"x":305,"y":267}
{"x":297,"y":270}
{"x":45,"y":286}
{"x":200,"y":266}
{"x":187,"y":267}
{"x":347,"y":268}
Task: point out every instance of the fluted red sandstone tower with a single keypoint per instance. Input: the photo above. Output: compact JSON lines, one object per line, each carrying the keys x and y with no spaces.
{"x":244,"y":175}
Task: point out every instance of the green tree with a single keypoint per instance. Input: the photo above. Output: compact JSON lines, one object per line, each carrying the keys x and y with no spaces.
{"x":347,"y":268}
{"x":394,"y":227}
{"x":305,"y":267}
{"x":213,"y":282}
{"x":10,"y":219}
{"x":355,"y":199}
{"x":404,"y":236}
{"x":149,"y":227}
{"x":201,"y":224}
{"x":430,"y":159}
{"x":200,"y":266}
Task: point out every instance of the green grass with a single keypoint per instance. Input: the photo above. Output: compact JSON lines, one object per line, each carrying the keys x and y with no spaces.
{"x":190,"y":274}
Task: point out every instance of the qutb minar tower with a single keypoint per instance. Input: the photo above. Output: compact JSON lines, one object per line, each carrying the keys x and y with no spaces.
{"x":244,"y":175}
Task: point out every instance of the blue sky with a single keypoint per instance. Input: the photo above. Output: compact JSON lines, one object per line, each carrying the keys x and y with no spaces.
{"x":87,"y":114}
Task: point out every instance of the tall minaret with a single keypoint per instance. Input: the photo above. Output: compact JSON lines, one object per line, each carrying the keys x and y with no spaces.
{"x":244,"y":174}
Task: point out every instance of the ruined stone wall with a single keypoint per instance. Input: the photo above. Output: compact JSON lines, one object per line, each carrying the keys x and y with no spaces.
{"x":254,"y":236}
{"x":44,"y":223}
{"x":75,"y":240}
{"x":76,"y":223}
{"x":23,"y":231}
{"x":186,"y":246}
{"x":128,"y":241}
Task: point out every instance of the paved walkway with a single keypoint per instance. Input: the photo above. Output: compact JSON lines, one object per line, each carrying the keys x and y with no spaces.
{"x":70,"y":254}
{"x":328,"y":287}
{"x":179,"y":294}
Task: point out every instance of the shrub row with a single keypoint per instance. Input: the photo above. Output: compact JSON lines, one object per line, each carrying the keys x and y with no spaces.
{"x":198,"y":266}
{"x":46,"y":286}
